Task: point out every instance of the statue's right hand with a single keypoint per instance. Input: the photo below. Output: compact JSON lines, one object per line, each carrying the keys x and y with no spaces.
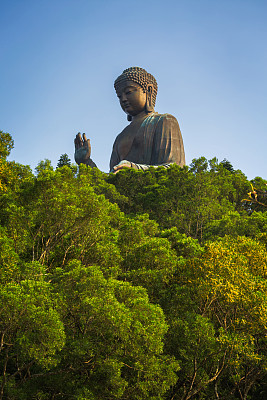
{"x":82,"y":149}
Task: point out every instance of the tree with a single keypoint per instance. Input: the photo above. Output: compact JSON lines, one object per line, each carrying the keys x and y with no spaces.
{"x":188,"y":198}
{"x":63,"y":233}
{"x":114,"y":336}
{"x":44,"y":165}
{"x":217,"y":315}
{"x":227,"y":165}
{"x":6,"y":144}
{"x":257,"y":197}
{"x":64,"y":160}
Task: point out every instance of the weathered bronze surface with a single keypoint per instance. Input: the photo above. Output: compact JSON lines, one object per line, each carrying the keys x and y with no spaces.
{"x":151,"y":139}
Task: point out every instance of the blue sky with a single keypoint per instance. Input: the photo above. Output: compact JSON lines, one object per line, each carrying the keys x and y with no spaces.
{"x":59,"y":59}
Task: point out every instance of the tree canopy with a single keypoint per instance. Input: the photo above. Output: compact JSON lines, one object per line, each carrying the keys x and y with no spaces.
{"x":139,"y":285}
{"x":64,"y":160}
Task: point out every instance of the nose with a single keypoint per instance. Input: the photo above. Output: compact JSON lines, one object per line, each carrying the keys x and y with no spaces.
{"x":123,"y":98}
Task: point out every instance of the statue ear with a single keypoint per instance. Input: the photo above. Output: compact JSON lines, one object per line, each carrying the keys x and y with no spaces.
{"x":149,"y":102}
{"x":129,"y":117}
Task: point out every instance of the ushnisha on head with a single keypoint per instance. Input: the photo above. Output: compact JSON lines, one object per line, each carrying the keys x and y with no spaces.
{"x":137,"y":91}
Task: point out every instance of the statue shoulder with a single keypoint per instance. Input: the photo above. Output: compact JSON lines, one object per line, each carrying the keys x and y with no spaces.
{"x":167,"y":121}
{"x":167,"y":117}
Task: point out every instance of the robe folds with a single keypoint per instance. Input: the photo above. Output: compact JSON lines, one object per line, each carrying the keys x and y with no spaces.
{"x":158,"y":141}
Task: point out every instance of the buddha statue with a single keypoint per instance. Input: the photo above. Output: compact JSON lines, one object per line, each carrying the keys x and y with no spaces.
{"x":150,"y":139}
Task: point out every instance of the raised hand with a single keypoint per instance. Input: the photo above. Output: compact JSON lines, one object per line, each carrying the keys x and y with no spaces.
{"x":82,"y":149}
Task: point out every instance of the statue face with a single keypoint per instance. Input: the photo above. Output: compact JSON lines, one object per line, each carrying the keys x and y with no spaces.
{"x":132,"y":98}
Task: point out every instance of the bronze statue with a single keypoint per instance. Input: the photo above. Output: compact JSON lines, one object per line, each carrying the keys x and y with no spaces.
{"x":151,"y":139}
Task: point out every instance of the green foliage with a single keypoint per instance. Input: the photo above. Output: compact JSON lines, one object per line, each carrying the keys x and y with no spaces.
{"x":217,"y":312}
{"x":132,"y":286}
{"x":257,"y":197}
{"x":6,"y":144}
{"x":43,"y":166}
{"x":64,"y":160}
{"x":185,"y":198}
{"x":239,"y":224}
{"x":227,"y":165}
{"x":114,"y":335}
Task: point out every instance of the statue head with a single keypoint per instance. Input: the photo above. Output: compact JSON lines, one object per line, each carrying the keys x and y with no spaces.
{"x":144,"y":86}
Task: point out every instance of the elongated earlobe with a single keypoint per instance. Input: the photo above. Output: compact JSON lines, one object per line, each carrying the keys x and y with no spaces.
{"x":129,"y":117}
{"x":149,"y":103}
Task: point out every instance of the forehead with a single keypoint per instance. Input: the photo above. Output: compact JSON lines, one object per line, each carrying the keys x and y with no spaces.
{"x":127,"y":84}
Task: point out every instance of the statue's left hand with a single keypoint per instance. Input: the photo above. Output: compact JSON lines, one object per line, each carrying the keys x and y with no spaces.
{"x":121,"y":165}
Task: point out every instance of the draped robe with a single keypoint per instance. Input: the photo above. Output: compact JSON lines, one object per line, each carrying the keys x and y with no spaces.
{"x":157,"y":141}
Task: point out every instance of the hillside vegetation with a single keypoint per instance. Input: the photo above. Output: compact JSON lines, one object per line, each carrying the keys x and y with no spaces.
{"x":135,"y":286}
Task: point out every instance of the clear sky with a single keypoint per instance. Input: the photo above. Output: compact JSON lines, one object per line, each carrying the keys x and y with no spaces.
{"x":59,"y":59}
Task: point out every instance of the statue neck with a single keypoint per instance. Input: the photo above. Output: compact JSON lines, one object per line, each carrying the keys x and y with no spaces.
{"x":141,"y":115}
